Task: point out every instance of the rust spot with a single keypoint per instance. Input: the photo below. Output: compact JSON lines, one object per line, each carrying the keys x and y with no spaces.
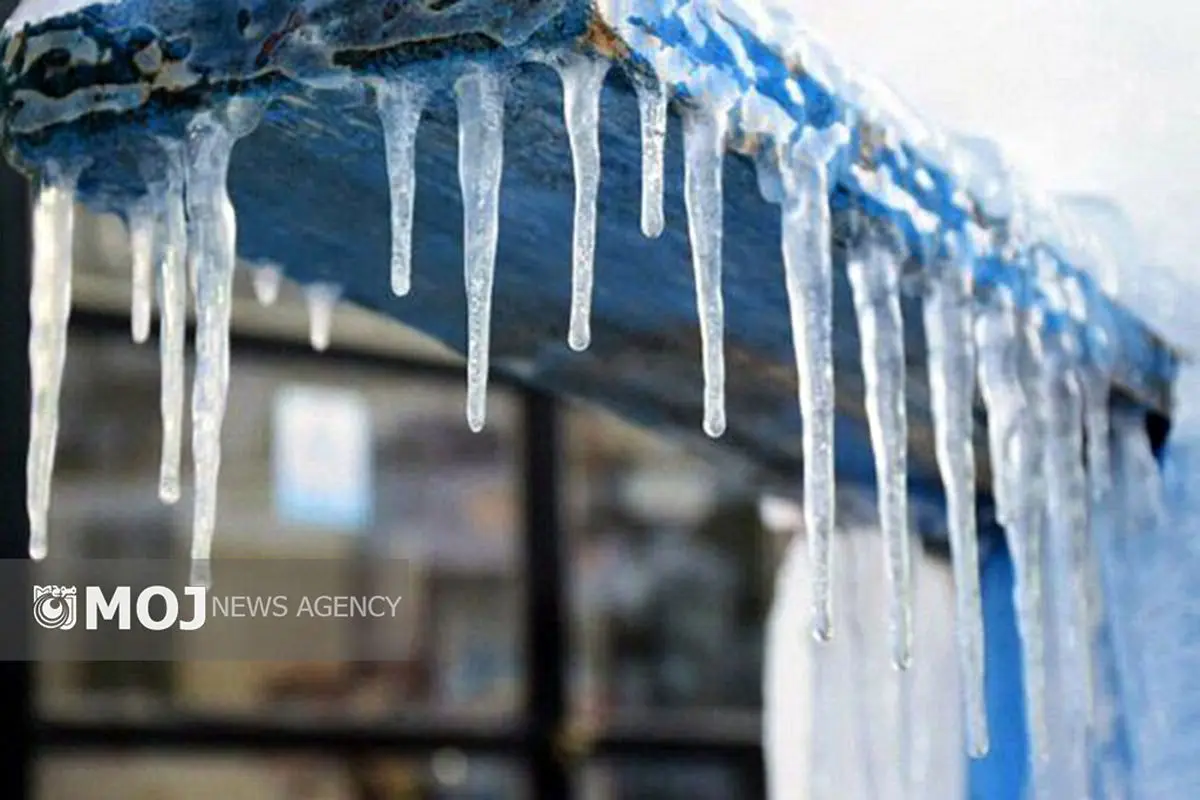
{"x":272,"y":42}
{"x":748,"y":144}
{"x":604,"y":40}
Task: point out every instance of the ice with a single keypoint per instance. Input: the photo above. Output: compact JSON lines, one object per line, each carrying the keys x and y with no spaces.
{"x":808,"y":267}
{"x":583,"y":80}
{"x":267,"y":280}
{"x":1007,"y":381}
{"x":480,"y":92}
{"x":874,"y":272}
{"x":50,"y":310}
{"x":949,"y":325}
{"x":30,"y":12}
{"x":704,"y":151}
{"x":400,"y":101}
{"x":1066,"y":571}
{"x":172,"y":336}
{"x":652,"y":108}
{"x":212,"y":249}
{"x":1095,"y":386}
{"x":322,"y":299}
{"x":143,"y":225}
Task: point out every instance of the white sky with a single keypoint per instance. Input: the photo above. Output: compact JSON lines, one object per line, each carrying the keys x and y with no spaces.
{"x":1085,"y":95}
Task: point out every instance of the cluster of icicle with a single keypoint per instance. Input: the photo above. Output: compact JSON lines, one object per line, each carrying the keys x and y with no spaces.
{"x":1037,"y":393}
{"x":186,"y":225}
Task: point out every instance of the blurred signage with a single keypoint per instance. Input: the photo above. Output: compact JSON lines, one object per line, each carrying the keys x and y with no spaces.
{"x":322,"y":457}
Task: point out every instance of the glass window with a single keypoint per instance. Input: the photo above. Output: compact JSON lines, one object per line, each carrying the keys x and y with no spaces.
{"x":439,"y":496}
{"x":646,"y":779}
{"x":447,"y":775}
{"x":672,"y":575}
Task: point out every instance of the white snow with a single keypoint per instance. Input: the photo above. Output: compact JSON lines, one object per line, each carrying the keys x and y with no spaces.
{"x":33,"y":11}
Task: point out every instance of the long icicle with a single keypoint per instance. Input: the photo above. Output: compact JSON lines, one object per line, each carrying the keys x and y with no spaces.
{"x":1066,"y":559}
{"x":1095,"y":385}
{"x":50,"y":311}
{"x":704,"y":152}
{"x":400,"y":102}
{"x":652,"y":109}
{"x":949,"y":333}
{"x":172,"y":336}
{"x":480,"y":94}
{"x":1016,"y":475}
{"x":144,"y":220}
{"x":874,"y":274}
{"x":808,"y":267}
{"x":583,"y":80}
{"x":213,"y":252}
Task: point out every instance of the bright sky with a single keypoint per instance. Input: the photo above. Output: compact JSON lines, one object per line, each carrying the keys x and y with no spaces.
{"x":1085,"y":95}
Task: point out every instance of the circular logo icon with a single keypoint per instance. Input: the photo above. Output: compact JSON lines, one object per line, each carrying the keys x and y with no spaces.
{"x":54,"y":607}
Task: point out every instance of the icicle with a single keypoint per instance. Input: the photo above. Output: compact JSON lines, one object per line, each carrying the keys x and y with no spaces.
{"x":213,"y":253}
{"x":808,"y":265}
{"x":143,"y":222}
{"x":322,"y":299}
{"x":704,"y":151}
{"x":1013,"y":444}
{"x":50,"y":310}
{"x":652,"y":108}
{"x":949,"y":324}
{"x":267,"y":279}
{"x":172,"y":334}
{"x":875,"y":282}
{"x":1066,"y":562}
{"x":583,"y":80}
{"x":400,"y":102}
{"x":480,"y":93}
{"x":1095,"y":385}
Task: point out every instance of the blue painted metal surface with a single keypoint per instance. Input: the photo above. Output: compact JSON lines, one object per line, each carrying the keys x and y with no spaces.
{"x":311,"y":194}
{"x":1002,"y":774}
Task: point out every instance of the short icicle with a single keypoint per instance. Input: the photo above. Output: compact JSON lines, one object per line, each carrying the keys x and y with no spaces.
{"x":400,"y":102}
{"x":583,"y":79}
{"x":480,"y":94}
{"x":322,"y":299}
{"x":267,"y":280}
{"x":704,"y":151}
{"x":144,"y":219}
{"x":949,"y":333}
{"x":652,"y":108}
{"x":213,"y":253}
{"x":1013,"y":445}
{"x":172,"y":336}
{"x":874,"y":273}
{"x":50,"y":310}
{"x":808,"y":267}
